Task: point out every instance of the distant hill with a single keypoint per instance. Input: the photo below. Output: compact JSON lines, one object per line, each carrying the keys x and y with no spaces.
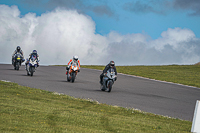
{"x":197,"y":63}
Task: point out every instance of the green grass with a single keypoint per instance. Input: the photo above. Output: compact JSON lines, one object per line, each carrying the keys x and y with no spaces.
{"x":25,"y":110}
{"x":182,"y":74}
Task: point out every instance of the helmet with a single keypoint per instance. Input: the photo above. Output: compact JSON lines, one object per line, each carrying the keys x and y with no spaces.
{"x":34,"y":51}
{"x":18,"y":48}
{"x":112,"y":63}
{"x":75,"y":58}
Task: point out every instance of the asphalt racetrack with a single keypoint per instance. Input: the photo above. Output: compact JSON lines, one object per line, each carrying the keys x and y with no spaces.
{"x":157,"y":97}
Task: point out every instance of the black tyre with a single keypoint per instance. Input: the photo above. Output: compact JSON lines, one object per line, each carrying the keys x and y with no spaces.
{"x":110,"y":86}
{"x":73,"y":77}
{"x":31,"y":73}
{"x":31,"y":70}
{"x":17,"y":66}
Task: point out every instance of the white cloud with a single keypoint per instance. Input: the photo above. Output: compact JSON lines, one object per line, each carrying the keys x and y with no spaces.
{"x":174,"y":37}
{"x":175,"y":46}
{"x":60,"y":34}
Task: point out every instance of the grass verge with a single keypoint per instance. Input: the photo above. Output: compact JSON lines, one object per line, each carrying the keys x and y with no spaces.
{"x":182,"y":74}
{"x":24,"y":110}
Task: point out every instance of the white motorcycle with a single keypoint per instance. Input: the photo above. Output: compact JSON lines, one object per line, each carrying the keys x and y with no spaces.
{"x":32,"y":65}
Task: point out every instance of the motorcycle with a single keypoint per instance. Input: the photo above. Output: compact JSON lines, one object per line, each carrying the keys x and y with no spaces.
{"x":71,"y":74}
{"x":17,"y":61}
{"x":31,"y":65}
{"x":108,"y":80}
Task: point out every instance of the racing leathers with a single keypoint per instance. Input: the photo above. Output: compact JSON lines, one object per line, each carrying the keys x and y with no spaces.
{"x":71,"y":62}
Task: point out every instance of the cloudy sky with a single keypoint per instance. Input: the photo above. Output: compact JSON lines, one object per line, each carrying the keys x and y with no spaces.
{"x":130,"y":32}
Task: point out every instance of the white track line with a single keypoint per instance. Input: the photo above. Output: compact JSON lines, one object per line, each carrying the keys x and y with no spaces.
{"x":150,"y":79}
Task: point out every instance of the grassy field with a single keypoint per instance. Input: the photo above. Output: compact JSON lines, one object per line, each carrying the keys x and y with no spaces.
{"x":28,"y":110}
{"x":182,"y":74}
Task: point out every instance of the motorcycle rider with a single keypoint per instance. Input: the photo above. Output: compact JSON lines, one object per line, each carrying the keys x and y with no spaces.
{"x":73,"y":60}
{"x":108,"y":66}
{"x":18,"y":50}
{"x":34,"y":53}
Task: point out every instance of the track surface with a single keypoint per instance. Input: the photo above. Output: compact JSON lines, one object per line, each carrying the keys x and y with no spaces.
{"x":162,"y":98}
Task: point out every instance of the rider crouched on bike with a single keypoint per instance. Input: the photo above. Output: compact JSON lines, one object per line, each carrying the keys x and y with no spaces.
{"x":108,"y":66}
{"x":74,"y":60}
{"x":18,"y":50}
{"x":34,"y":53}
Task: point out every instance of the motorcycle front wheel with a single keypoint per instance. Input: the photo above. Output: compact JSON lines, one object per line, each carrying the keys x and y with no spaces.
{"x":17,"y":66}
{"x":110,"y":86}
{"x":73,"y":76}
{"x":31,"y":70}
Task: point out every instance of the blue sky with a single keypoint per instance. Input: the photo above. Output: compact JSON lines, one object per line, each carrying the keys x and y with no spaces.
{"x":147,"y":30}
{"x":127,"y":16}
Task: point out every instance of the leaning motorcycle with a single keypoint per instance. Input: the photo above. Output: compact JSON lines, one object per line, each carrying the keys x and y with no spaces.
{"x":108,"y":80}
{"x":17,"y":61}
{"x":32,"y":65}
{"x":71,"y":74}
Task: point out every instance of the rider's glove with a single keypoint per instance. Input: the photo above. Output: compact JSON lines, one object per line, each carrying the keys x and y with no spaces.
{"x":79,"y":70}
{"x":67,"y":68}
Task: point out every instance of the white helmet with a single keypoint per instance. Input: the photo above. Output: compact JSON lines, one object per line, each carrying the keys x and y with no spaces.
{"x":75,"y":58}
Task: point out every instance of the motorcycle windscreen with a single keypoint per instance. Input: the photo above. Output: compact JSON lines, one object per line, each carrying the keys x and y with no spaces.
{"x":110,"y":73}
